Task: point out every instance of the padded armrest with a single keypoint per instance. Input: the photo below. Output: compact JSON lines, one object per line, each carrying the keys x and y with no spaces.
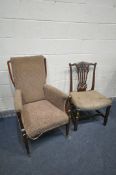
{"x":55,"y":96}
{"x":18,"y":101}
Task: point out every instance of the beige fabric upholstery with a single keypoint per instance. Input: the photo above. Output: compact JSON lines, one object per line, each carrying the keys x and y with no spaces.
{"x":41,"y":106}
{"x":89,"y":100}
{"x":42,"y":116}
{"x":55,"y":96}
{"x":29,"y":76}
{"x":18,"y":101}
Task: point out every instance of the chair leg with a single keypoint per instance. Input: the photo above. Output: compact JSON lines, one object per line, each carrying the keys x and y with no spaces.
{"x":73,"y":118}
{"x":67,"y":129}
{"x":106,"y":115}
{"x":24,"y":135}
{"x":75,"y":123}
{"x":76,"y":119}
{"x":26,"y":142}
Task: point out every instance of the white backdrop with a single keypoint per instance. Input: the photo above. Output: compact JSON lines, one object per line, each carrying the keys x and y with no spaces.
{"x":63,"y":31}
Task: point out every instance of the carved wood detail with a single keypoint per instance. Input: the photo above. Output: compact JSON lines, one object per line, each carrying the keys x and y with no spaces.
{"x":82,"y":70}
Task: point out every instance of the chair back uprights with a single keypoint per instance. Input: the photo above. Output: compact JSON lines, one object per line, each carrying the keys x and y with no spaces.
{"x":82,"y":70}
{"x":10,"y":72}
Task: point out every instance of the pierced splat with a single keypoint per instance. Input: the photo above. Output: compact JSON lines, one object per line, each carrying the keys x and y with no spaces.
{"x":82,"y":70}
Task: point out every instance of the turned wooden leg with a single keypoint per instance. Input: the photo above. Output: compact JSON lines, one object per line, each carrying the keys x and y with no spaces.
{"x":106,"y":115}
{"x":68,"y":124}
{"x":26,"y":142}
{"x":73,"y":117}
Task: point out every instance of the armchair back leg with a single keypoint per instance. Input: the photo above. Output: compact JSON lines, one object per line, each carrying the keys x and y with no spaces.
{"x":106,"y":115}
{"x":67,"y":129}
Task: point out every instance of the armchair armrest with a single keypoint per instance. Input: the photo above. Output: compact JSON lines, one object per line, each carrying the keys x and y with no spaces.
{"x":55,"y":96}
{"x":18,"y":101}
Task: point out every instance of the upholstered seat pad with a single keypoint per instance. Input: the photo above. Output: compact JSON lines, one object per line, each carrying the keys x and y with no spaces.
{"x":41,"y":116}
{"x":89,"y":100}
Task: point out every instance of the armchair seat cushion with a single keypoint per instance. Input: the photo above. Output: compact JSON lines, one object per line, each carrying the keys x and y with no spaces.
{"x":41,"y":116}
{"x":89,"y":100}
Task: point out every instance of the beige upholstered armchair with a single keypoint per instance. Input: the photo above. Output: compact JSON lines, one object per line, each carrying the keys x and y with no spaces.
{"x":40,"y":107}
{"x":82,"y":99}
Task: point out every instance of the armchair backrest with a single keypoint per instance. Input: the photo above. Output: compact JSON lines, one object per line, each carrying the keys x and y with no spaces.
{"x":82,"y":70}
{"x":29,"y":75}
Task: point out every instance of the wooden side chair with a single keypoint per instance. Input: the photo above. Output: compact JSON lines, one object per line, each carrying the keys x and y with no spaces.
{"x":40,"y":107}
{"x":82,"y":99}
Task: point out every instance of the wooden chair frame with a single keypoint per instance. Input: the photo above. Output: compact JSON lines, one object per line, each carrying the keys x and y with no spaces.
{"x":82,"y":70}
{"x":23,"y":131}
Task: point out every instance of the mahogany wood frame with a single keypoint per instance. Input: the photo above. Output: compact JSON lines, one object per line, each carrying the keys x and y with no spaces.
{"x":82,"y":70}
{"x":23,"y":131}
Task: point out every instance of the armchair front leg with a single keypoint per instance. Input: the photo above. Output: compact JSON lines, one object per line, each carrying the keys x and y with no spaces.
{"x":24,"y":135}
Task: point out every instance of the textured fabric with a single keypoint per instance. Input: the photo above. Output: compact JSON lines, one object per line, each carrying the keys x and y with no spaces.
{"x":18,"y":101}
{"x":42,"y":116}
{"x":88,"y":100}
{"x":55,"y":96}
{"x":29,"y":76}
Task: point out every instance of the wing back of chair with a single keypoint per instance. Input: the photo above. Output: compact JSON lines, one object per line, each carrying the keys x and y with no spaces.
{"x":29,"y":75}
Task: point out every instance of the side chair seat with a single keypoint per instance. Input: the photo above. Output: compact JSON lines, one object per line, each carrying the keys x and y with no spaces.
{"x":89,"y":100}
{"x":38,"y":117}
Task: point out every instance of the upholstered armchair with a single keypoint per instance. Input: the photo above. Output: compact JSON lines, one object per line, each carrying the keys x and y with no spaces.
{"x":40,"y":107}
{"x":82,"y":98}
